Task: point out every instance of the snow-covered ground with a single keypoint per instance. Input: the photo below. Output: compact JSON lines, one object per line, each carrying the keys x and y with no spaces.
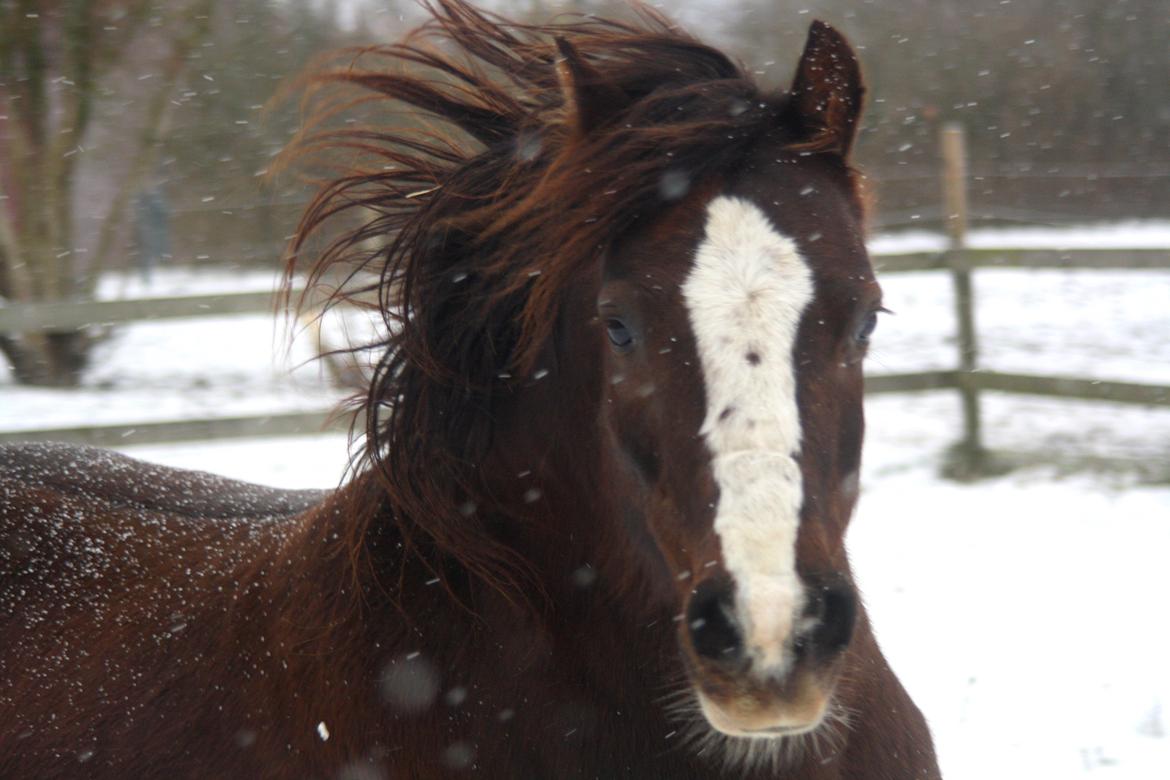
{"x":1023,"y":613}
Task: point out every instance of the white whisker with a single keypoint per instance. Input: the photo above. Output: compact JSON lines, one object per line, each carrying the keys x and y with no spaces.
{"x":748,"y":754}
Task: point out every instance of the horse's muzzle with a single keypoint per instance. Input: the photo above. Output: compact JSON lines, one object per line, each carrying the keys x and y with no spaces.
{"x":782,"y":691}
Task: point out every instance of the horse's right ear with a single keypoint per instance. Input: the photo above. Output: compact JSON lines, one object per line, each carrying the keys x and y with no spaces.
{"x":590,"y":101}
{"x":827,"y":91}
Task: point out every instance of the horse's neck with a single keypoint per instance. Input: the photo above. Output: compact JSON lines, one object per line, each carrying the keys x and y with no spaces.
{"x":566,"y":517}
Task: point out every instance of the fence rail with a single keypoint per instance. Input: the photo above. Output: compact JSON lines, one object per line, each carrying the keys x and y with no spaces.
{"x":170,"y":432}
{"x":312,"y":422}
{"x":1072,"y":388}
{"x":32,"y":317}
{"x":1059,"y":259}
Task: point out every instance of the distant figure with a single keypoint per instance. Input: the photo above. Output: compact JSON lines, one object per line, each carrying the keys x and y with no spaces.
{"x":151,"y":229}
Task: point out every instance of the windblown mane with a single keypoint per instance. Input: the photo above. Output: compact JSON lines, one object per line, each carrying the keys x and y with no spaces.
{"x":483,"y":204}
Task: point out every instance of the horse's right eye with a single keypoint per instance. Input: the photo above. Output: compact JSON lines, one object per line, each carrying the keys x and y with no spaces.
{"x":866,"y":328}
{"x":619,"y":334}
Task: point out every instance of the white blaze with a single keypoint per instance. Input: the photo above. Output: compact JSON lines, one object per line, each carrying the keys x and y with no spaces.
{"x":745,"y":295}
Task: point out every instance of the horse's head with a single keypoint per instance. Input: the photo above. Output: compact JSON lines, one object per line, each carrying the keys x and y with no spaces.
{"x":664,"y":268}
{"x":734,"y":326}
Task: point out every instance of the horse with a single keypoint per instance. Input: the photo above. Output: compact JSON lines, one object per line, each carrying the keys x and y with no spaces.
{"x":594,"y":525}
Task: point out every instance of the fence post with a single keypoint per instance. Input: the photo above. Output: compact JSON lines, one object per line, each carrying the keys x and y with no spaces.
{"x":968,"y":458}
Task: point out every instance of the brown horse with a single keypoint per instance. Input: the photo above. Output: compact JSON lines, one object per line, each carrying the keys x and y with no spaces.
{"x":611,"y":449}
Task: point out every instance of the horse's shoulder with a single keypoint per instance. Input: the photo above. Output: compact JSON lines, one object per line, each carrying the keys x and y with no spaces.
{"x":108,"y":478}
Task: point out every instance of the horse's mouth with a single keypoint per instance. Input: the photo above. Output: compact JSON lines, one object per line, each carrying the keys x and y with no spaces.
{"x":755,"y":719}
{"x":783,"y":731}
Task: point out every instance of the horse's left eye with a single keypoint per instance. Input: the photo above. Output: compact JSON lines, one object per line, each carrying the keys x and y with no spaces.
{"x":865,"y":330}
{"x":619,"y":334}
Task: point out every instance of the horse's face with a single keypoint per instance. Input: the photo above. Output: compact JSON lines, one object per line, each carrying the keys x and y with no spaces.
{"x":735,"y":328}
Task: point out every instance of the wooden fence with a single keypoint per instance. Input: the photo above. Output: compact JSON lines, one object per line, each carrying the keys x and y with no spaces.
{"x":23,"y":318}
{"x":26,"y":317}
{"x":969,"y":457}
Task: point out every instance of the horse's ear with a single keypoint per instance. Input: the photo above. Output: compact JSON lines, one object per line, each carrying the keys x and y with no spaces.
{"x":590,"y":101}
{"x":828,"y":91}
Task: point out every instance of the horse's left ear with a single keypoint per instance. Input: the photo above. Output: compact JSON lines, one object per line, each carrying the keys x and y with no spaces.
{"x":827,"y":91}
{"x":590,"y":101}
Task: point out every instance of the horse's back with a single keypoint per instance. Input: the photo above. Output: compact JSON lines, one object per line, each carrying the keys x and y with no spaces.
{"x":109,"y":477}
{"x":98,"y":520}
{"x":73,"y":515}
{"x":117,"y":578}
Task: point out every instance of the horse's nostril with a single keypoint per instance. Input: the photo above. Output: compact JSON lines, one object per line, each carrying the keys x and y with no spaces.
{"x":714,"y":631}
{"x":835,"y":611}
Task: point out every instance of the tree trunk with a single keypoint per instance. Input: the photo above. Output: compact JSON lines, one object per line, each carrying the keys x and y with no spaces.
{"x":38,"y":253}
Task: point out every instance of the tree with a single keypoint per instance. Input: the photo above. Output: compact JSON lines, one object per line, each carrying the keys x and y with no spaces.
{"x":56,"y":59}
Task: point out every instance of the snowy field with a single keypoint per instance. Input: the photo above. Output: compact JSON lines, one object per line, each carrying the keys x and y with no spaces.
{"x":1023,"y":613}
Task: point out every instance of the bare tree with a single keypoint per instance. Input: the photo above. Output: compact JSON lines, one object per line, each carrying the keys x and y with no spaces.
{"x":56,"y":57}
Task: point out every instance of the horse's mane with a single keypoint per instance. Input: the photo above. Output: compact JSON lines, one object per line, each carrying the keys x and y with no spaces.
{"x":475,"y":213}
